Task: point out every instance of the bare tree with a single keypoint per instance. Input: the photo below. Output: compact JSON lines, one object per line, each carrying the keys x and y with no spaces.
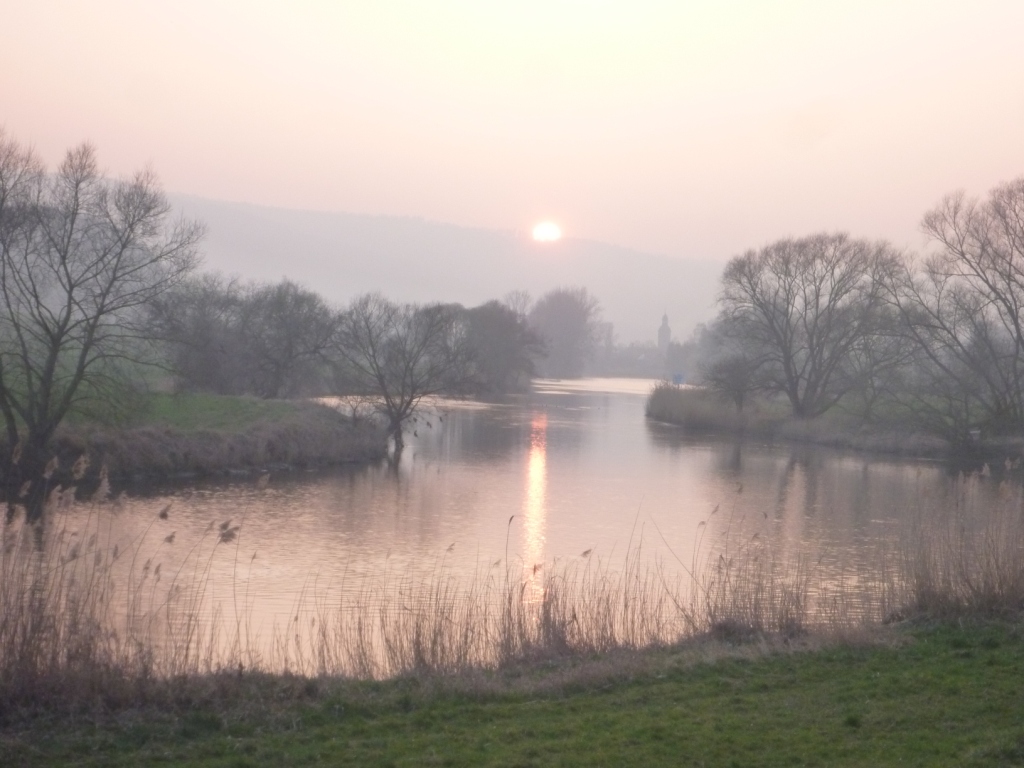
{"x":198,"y":321}
{"x":269,"y":340}
{"x":878,"y":366}
{"x":80,"y":256}
{"x":963,"y":307}
{"x":519,"y":301}
{"x":400,"y":353}
{"x":806,"y":303}
{"x":286,"y":331}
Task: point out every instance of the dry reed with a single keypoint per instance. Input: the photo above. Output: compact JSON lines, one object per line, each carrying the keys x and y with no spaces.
{"x":85,"y":618}
{"x":957,"y":559}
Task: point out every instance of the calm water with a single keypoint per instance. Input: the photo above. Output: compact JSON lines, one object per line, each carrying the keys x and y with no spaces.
{"x":572,"y":468}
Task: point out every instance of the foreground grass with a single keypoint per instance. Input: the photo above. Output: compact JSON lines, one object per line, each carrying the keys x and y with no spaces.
{"x":942,"y":695}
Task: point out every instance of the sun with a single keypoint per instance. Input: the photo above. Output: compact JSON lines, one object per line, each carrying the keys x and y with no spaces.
{"x":547,"y":232}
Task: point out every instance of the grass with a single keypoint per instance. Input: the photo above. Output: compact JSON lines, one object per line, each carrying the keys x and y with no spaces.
{"x":188,"y":412}
{"x":942,"y":695}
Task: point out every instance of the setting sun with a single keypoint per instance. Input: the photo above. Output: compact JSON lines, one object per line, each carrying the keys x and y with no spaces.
{"x":547,"y":232}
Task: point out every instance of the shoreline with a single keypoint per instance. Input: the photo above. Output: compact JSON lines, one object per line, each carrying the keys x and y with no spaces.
{"x":298,"y":435}
{"x":886,"y":444}
{"x":703,"y":414}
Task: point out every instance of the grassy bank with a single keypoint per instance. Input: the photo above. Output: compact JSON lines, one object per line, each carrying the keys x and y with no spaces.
{"x":941,"y":695}
{"x":185,"y":434}
{"x":701,"y":410}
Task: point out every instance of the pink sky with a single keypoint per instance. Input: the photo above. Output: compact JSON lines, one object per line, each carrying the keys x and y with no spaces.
{"x":693,"y":129}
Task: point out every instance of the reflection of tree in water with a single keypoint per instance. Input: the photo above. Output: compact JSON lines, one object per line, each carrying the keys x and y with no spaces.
{"x":861,"y":495}
{"x":800,"y":475}
{"x":729,"y":460}
{"x":672,"y":437}
{"x":783,"y":488}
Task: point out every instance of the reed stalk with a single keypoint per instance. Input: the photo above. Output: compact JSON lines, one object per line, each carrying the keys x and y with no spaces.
{"x":86,"y":616}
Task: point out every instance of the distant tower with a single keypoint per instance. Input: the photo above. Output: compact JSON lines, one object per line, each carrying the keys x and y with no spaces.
{"x":664,"y":334}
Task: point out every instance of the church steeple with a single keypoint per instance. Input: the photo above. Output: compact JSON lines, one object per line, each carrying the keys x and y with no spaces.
{"x":664,"y":334}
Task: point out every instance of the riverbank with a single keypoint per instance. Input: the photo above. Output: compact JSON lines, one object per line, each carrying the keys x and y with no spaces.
{"x":945,"y":694}
{"x":195,"y":435}
{"x":762,"y":656}
{"x":700,"y":410}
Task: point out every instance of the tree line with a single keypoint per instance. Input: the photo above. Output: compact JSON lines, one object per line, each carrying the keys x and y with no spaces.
{"x":829,"y":320}
{"x":282,"y":340}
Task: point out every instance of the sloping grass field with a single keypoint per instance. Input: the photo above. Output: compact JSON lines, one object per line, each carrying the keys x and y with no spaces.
{"x":929,"y":696}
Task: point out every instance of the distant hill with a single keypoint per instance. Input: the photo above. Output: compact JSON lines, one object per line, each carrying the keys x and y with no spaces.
{"x":342,"y":255}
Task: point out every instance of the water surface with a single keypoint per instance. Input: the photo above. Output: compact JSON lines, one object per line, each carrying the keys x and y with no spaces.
{"x":571,"y":471}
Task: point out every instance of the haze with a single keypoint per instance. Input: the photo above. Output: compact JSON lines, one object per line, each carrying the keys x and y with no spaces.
{"x":691,"y":130}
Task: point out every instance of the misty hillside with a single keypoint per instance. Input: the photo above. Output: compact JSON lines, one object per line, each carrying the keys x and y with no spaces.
{"x":342,"y":255}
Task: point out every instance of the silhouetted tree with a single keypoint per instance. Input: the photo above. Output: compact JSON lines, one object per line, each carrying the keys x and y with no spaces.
{"x":519,"y":301}
{"x":397,"y":354}
{"x":199,"y":322}
{"x":805,"y":305}
{"x":285,"y":332}
{"x":80,"y":259}
{"x":963,"y":308}
{"x":736,"y":377}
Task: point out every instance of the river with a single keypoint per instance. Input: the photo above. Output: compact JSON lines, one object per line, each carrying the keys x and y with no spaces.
{"x":569,"y":472}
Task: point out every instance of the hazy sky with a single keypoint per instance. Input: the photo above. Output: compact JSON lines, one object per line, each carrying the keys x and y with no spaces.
{"x":686,"y":128}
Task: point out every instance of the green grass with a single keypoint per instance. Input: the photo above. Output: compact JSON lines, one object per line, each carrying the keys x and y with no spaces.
{"x":184,"y":412}
{"x":187,"y":412}
{"x":948,"y":696}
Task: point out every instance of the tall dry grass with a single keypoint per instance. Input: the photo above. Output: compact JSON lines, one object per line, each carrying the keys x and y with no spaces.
{"x":447,"y":625}
{"x":701,"y":410}
{"x":57,"y":594}
{"x":86,"y":618}
{"x":958,"y":559}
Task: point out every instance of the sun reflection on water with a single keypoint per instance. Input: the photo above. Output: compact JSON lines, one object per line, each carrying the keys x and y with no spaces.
{"x":534,"y":510}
